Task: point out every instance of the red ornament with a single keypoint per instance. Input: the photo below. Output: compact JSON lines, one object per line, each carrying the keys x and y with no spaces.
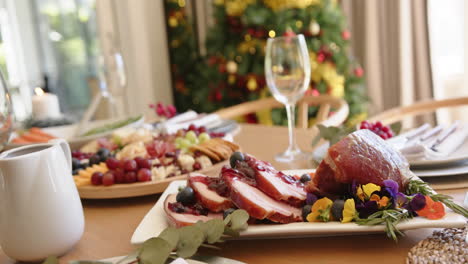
{"x":218,"y":96}
{"x":289,"y":33}
{"x":346,"y":35}
{"x":251,"y":31}
{"x":222,"y":68}
{"x":359,"y":72}
{"x":321,"y":57}
{"x":212,"y":60}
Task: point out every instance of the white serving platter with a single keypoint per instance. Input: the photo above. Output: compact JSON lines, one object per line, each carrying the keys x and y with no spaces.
{"x":155,"y":222}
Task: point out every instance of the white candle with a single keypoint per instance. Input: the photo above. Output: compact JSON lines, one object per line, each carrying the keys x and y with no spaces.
{"x":45,"y":105}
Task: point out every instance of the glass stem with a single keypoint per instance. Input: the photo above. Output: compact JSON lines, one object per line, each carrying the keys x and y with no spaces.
{"x":290,"y":110}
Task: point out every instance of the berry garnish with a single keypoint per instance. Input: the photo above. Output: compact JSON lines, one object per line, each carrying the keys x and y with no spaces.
{"x":143,"y":163}
{"x":385,"y":132}
{"x":130,"y":165}
{"x":130,"y":177}
{"x":119,"y":175}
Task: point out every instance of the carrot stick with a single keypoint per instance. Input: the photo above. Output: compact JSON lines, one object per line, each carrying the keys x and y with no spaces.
{"x":36,"y":130}
{"x":20,"y":140}
{"x":34,"y":137}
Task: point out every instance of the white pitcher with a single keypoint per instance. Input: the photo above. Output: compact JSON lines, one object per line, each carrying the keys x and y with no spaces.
{"x":40,"y":210}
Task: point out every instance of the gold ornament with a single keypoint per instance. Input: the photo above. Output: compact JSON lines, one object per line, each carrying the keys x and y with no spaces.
{"x":173,"y":22}
{"x":236,"y":7}
{"x":252,"y":84}
{"x":181,"y":3}
{"x":283,"y":4}
{"x":247,"y":37}
{"x":252,"y":50}
{"x":231,"y":79}
{"x":219,"y":2}
{"x":314,"y":28}
{"x":298,"y":24}
{"x":271,"y":33}
{"x":231,"y":67}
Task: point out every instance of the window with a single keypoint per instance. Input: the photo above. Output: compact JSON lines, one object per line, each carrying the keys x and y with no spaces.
{"x":55,"y":46}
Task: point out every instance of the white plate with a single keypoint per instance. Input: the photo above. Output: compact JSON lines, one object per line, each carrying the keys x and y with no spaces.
{"x":457,"y":169}
{"x":67,"y":132}
{"x":459,"y":155}
{"x":155,"y":222}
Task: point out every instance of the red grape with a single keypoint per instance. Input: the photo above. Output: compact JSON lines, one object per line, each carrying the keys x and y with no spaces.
{"x":112,"y":163}
{"x":130,"y":165}
{"x":96,"y":178}
{"x":143,"y":163}
{"x":192,"y":127}
{"x":196,"y":166}
{"x":108,"y":179}
{"x":119,"y":175}
{"x":144,"y":175}
{"x":130,"y":177}
{"x":201,"y":129}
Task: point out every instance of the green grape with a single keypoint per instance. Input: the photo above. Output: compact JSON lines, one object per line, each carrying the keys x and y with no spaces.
{"x":191,"y":136}
{"x":185,"y":144}
{"x":204,"y":137}
{"x":178,"y":140}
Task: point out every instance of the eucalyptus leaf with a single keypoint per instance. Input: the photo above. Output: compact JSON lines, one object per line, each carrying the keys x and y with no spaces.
{"x":51,"y":260}
{"x":396,"y":128}
{"x":154,"y":251}
{"x":171,"y":235}
{"x":239,"y":219}
{"x":190,"y":239}
{"x":331,"y":133}
{"x":212,"y":229}
{"x":230,"y":232}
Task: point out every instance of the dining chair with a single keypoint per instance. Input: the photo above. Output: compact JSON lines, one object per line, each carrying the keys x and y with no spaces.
{"x":423,"y":107}
{"x":326,"y":103}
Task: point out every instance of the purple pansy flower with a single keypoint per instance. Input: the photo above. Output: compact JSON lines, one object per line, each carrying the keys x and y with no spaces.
{"x":367,"y":208}
{"x":418,"y":201}
{"x":401,"y":201}
{"x":392,"y":187}
{"x":311,"y":198}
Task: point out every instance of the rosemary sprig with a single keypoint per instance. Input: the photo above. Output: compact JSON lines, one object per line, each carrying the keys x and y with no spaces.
{"x":390,"y":218}
{"x":418,"y":186}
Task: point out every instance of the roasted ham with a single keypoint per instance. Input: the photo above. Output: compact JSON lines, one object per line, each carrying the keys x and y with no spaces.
{"x":185,"y":219}
{"x":361,"y":157}
{"x":245,"y":195}
{"x":208,"y":191}
{"x":274,"y":183}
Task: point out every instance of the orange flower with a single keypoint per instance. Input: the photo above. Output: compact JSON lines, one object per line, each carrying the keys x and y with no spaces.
{"x":432,"y":210}
{"x":381,"y":202}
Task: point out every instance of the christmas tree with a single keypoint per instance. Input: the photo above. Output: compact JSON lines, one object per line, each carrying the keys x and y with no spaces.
{"x":232,"y":71}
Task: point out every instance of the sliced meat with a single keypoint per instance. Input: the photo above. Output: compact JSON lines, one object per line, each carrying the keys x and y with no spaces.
{"x":259,"y":205}
{"x":182,"y":219}
{"x":361,"y":157}
{"x":208,"y":190}
{"x":276,"y":184}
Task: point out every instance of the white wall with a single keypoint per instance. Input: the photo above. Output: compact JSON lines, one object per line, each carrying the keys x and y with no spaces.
{"x":138,"y":27}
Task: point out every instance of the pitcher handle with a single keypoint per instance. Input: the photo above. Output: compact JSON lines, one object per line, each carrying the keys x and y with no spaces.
{"x":65,"y":148}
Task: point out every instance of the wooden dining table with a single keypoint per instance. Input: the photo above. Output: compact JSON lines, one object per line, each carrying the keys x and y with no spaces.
{"x":109,"y":224}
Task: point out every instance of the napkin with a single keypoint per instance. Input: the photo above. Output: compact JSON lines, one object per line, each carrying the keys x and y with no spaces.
{"x":183,"y":121}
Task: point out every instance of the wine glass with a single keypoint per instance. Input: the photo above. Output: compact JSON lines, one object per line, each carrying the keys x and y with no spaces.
{"x":287,"y":71}
{"x":6,"y":120}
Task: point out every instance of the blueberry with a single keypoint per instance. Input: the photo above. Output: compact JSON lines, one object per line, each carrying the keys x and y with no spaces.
{"x":76,"y":163}
{"x":236,"y":157}
{"x":305,"y":178}
{"x":306,"y":211}
{"x":103,"y":153}
{"x":228,"y":212}
{"x":337,"y":209}
{"x":75,"y":172}
{"x":84,"y":164}
{"x":95,"y":159}
{"x":186,"y":196}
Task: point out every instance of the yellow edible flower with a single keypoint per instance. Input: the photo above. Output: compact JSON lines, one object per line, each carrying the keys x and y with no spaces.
{"x":320,"y":211}
{"x":365,"y":191}
{"x":349,"y":211}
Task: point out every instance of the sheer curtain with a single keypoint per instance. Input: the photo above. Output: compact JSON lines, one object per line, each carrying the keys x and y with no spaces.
{"x":390,"y":39}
